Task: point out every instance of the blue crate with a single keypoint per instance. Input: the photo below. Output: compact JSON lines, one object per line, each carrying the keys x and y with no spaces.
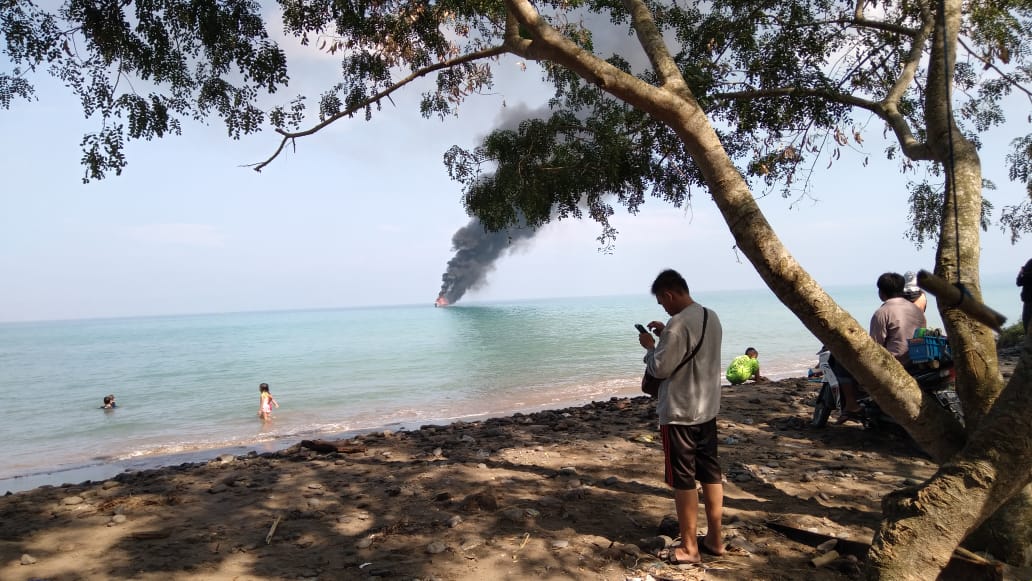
{"x":929,"y":349}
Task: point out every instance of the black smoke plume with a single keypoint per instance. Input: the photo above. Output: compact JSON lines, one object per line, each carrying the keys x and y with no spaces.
{"x":476,"y":251}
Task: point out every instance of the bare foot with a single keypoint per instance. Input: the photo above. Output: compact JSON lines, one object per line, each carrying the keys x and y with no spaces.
{"x":706,"y":546}
{"x":681,"y":556}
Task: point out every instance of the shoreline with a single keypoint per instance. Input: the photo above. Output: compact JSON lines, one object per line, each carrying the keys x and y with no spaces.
{"x":102,"y":469}
{"x":98,"y":470}
{"x":562,"y":493}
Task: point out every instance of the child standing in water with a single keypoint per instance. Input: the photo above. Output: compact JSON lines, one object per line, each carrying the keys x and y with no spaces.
{"x":266,"y":402}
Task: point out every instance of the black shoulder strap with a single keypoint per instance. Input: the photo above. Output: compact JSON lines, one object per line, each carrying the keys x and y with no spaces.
{"x":705,"y":317}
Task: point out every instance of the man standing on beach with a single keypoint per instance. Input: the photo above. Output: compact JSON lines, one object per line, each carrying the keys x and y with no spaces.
{"x":688,"y":401}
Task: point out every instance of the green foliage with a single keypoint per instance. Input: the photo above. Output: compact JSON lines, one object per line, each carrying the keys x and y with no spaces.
{"x":789,"y":84}
{"x":926,"y":211}
{"x":1011,"y":336}
{"x":197,"y":57}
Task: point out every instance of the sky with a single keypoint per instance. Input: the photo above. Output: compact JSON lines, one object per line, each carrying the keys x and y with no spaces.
{"x":362,"y":214}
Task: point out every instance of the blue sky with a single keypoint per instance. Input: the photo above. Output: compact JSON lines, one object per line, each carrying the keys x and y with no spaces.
{"x":363,"y":214}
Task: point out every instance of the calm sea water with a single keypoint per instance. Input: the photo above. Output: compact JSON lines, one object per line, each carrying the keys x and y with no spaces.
{"x":187,"y":386}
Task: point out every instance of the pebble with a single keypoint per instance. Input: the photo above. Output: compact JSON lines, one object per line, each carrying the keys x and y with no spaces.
{"x":471,"y":543}
{"x":743,"y":477}
{"x":71,"y":500}
{"x":560,"y":544}
{"x":118,"y":519}
{"x":28,"y":559}
{"x":109,"y":484}
{"x":436,"y":547}
{"x":364,"y":543}
{"x":454,"y":521}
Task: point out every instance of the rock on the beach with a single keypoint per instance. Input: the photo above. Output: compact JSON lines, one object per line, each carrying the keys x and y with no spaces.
{"x":436,"y":547}
{"x":560,"y":544}
{"x":28,"y":559}
{"x":72,"y":500}
{"x":364,"y":543}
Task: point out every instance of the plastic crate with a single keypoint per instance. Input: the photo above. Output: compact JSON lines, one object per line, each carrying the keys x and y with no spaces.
{"x":924,"y":349}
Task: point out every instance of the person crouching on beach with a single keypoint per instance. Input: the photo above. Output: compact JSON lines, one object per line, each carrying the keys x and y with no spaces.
{"x":266,"y":402}
{"x":744,"y":368}
{"x":687,"y":405}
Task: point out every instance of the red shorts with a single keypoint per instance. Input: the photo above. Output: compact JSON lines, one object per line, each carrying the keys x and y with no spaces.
{"x":690,"y":454}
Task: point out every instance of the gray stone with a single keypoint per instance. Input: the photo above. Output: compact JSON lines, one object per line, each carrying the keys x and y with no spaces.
{"x":454,"y":521}
{"x":364,"y":543}
{"x":72,"y":500}
{"x":28,"y":559}
{"x":436,"y":547}
{"x":514,"y":514}
{"x":118,"y":519}
{"x":471,"y":543}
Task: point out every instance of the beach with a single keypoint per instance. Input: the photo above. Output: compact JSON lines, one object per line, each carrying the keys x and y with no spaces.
{"x":573,"y":493}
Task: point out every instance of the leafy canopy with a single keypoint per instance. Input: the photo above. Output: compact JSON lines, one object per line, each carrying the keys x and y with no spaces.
{"x":792,"y":85}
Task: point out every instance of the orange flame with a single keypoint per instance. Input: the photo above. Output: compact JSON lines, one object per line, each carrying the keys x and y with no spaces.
{"x":441,"y":302}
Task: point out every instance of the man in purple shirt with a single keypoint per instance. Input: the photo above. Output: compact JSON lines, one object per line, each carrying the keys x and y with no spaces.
{"x":892,"y":325}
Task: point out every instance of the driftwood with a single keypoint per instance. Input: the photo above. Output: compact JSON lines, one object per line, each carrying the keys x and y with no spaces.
{"x":272,"y":530}
{"x":329,"y":446}
{"x":953,"y":297}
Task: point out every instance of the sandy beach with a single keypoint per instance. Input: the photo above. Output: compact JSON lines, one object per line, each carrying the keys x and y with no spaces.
{"x":575,"y":493}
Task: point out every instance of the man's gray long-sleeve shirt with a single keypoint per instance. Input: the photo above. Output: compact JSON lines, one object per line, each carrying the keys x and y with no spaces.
{"x":692,"y":395}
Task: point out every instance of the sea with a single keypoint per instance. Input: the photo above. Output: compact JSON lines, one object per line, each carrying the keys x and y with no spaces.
{"x":187,"y":386}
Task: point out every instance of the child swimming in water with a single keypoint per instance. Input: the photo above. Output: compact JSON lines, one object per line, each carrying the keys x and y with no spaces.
{"x":266,"y":402}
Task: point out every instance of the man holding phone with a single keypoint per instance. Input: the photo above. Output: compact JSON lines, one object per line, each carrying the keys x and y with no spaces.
{"x":687,"y":357}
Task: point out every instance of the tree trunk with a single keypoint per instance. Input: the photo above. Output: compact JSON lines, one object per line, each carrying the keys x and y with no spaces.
{"x":924,"y":524}
{"x":894,"y":390}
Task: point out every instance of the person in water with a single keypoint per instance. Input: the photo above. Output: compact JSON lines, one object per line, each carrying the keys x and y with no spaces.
{"x":109,"y":402}
{"x":744,"y":368}
{"x":266,"y":402}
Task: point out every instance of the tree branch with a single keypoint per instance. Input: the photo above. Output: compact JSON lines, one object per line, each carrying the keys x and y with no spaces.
{"x":291,"y":135}
{"x":909,"y":144}
{"x":548,"y":43}
{"x":989,"y":64}
{"x":651,"y":39}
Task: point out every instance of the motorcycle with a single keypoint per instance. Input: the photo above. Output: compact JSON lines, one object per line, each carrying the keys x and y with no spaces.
{"x":931,"y":365}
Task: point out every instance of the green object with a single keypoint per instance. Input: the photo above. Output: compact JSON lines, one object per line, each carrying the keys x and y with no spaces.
{"x":742,"y":368}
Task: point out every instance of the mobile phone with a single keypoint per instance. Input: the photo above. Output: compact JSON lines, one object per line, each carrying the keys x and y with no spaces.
{"x":641,"y":328}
